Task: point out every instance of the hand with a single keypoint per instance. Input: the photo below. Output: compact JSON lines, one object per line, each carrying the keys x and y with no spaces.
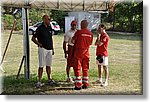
{"x":97,"y":42}
{"x":52,"y":52}
{"x":66,"y":54}
{"x":40,"y":45}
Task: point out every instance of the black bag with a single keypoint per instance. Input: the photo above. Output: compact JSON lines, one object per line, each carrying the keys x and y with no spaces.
{"x":99,"y":58}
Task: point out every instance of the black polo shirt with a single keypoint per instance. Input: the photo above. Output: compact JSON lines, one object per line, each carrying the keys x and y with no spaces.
{"x":44,"y":36}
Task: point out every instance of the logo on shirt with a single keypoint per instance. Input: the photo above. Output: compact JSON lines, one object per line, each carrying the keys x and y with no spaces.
{"x":50,"y":32}
{"x":104,"y":39}
{"x":86,"y":35}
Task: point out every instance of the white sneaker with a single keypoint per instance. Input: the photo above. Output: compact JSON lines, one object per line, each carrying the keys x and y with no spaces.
{"x":69,"y":80}
{"x":105,"y":83}
{"x":51,"y":82}
{"x":39,"y":84}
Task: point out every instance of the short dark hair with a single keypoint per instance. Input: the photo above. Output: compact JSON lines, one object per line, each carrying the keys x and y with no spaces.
{"x":44,"y":17}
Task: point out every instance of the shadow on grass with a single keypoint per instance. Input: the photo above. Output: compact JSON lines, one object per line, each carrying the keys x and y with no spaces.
{"x":21,"y":86}
{"x":13,"y":86}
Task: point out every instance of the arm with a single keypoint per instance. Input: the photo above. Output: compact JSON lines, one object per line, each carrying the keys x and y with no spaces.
{"x":98,"y":42}
{"x":98,"y":39}
{"x":66,"y":40}
{"x":34,"y":38}
{"x":64,"y":48}
{"x":74,"y":38}
{"x":36,"y":41}
{"x":91,"y":39}
{"x":52,"y":47}
{"x":101,"y":43}
{"x":73,"y":41}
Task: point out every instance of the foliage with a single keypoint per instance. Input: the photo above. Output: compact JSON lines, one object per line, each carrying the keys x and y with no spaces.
{"x":35,"y":15}
{"x":127,"y":17}
{"x":8,"y":22}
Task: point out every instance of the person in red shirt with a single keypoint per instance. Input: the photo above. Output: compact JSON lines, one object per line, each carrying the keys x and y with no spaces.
{"x":102,"y":53}
{"x":82,"y":41}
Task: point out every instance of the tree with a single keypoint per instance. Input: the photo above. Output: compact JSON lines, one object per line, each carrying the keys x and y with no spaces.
{"x":128,"y":17}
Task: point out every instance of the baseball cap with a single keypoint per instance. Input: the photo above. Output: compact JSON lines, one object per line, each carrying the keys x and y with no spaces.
{"x":74,"y":22}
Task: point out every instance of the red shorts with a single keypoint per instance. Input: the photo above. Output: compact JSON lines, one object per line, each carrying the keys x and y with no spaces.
{"x":70,"y":56}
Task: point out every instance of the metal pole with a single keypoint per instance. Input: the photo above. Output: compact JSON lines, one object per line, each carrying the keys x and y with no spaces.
{"x":26,"y":43}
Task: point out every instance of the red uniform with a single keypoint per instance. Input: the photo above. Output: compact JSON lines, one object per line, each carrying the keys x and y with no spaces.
{"x":103,"y":49}
{"x":83,"y":39}
{"x":70,"y":56}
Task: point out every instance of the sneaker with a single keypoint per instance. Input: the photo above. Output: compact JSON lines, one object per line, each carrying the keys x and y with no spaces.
{"x":105,"y":83}
{"x":77,"y":88}
{"x":51,"y":82}
{"x":99,"y":81}
{"x":84,"y":87}
{"x":39,"y":84}
{"x":69,"y":80}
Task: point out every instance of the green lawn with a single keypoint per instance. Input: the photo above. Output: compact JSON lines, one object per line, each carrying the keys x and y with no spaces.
{"x":125,"y":67}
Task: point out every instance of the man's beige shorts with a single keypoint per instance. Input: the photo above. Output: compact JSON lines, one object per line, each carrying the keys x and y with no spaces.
{"x":45,"y":57}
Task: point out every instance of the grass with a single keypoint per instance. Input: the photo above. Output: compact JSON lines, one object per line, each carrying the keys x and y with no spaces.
{"x":125,"y":67}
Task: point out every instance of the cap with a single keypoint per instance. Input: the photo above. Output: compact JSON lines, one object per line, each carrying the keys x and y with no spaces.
{"x":74,"y":22}
{"x":99,"y":58}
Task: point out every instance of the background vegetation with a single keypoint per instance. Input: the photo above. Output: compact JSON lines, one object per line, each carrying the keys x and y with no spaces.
{"x":125,"y":55}
{"x":126,"y":17}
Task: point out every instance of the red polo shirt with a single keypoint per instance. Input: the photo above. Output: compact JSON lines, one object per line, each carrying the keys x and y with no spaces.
{"x":83,"y":39}
{"x":103,"y":49}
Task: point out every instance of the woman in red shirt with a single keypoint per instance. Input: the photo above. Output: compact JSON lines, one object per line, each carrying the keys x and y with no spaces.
{"x":102,"y":54}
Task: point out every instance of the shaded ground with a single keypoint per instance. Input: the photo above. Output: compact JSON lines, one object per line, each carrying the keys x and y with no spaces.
{"x":64,"y":88}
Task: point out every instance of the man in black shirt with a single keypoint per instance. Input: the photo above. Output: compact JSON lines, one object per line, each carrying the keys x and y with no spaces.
{"x":43,"y":38}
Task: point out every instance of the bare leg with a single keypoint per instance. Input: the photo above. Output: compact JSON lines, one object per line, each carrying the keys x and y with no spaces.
{"x":100,"y":71}
{"x":40,"y":71}
{"x":68,"y":71}
{"x":106,"y":72}
{"x":48,"y":71}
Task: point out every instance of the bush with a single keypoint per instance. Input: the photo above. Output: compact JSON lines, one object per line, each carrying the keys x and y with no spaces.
{"x":8,"y":22}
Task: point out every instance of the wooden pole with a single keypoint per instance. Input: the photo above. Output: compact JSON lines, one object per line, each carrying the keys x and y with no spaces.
{"x":8,"y":44}
{"x":20,"y":67}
